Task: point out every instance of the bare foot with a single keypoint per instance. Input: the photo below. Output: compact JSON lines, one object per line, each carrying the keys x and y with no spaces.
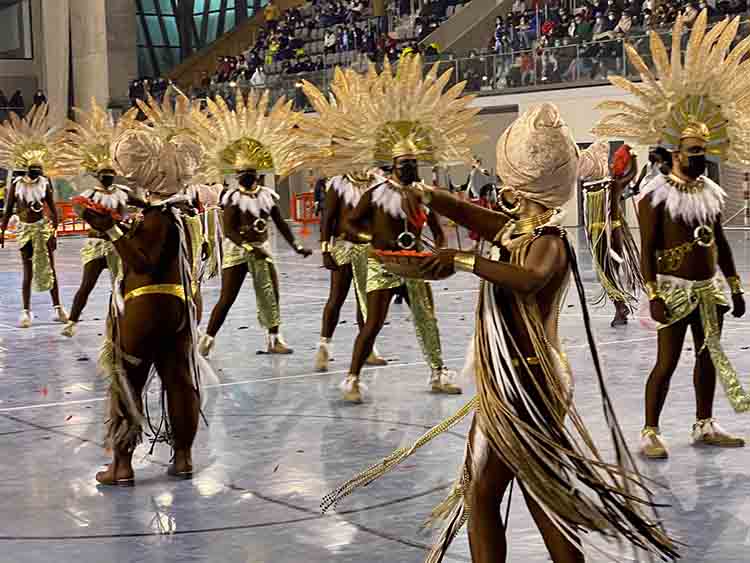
{"x":123,"y":475}
{"x":182,"y":466}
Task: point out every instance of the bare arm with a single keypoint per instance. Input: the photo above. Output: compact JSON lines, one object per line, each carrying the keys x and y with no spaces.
{"x":547,"y":257}
{"x":648,"y":217}
{"x":142,"y":251}
{"x":10,"y":206}
{"x":433,"y":220}
{"x":49,"y":199}
{"x":330,"y":215}
{"x":283,"y":227}
{"x":479,"y":219}
{"x":725,"y":258}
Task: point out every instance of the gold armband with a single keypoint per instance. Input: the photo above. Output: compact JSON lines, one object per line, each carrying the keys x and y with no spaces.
{"x":735,"y":285}
{"x":464,"y":261}
{"x":248,"y":247}
{"x":652,"y":290}
{"x":325,"y":247}
{"x":364,"y":237}
{"x":115,"y":233}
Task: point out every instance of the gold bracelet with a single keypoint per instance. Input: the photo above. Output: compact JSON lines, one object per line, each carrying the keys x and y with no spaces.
{"x":364,"y":237}
{"x":735,"y":285}
{"x":652,"y":290}
{"x":115,"y":233}
{"x":464,"y":261}
{"x":325,"y":247}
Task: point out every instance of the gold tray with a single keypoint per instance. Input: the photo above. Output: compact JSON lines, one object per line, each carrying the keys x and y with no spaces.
{"x":406,"y":264}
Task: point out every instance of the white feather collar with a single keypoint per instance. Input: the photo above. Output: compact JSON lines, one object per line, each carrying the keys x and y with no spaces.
{"x":389,"y":200}
{"x":116,"y":197}
{"x":347,"y":190}
{"x":702,"y":207}
{"x":31,"y":192}
{"x":260,"y":199}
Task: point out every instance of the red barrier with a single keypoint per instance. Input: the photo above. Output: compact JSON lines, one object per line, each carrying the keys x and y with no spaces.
{"x":68,"y":222}
{"x":303,"y":211}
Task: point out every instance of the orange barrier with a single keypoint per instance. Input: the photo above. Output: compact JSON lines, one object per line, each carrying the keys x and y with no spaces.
{"x":68,"y":222}
{"x":303,"y":211}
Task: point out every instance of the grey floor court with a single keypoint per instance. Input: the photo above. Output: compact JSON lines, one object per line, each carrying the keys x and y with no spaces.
{"x":279,"y":438}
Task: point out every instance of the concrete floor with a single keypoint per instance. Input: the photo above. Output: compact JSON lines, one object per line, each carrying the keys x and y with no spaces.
{"x":279,"y":438}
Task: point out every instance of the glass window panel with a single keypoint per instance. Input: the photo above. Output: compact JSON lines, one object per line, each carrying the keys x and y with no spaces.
{"x":199,"y":24}
{"x":213,"y":26}
{"x":230,"y":4}
{"x":173,"y":36}
{"x":144,"y":63}
{"x":214,"y":4}
{"x":141,"y":35}
{"x":166,"y":6}
{"x":154,"y":31}
{"x":148,"y":6}
{"x":229,"y":20}
{"x":164,"y":58}
{"x":198,"y":7}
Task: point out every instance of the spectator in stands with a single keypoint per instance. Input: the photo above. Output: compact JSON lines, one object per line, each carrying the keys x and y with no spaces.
{"x":583,"y":28}
{"x":329,"y":41}
{"x":518,"y":8}
{"x":271,"y":13}
{"x":16,"y":102}
{"x":689,"y":13}
{"x":523,"y":32}
{"x":39,"y":98}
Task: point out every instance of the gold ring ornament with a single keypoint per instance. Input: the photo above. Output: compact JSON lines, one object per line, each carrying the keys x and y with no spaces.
{"x":704,"y":236}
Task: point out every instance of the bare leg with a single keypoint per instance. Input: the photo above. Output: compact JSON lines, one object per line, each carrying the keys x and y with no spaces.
{"x":91,"y":272}
{"x":27,"y":253}
{"x":377,"y":311}
{"x":670,"y":341}
{"x":55,"y":291}
{"x":561,"y":549}
{"x":704,"y":372}
{"x":198,"y":298}
{"x":182,"y":401}
{"x":231,"y":283}
{"x":341,"y":281}
{"x":488,"y":485}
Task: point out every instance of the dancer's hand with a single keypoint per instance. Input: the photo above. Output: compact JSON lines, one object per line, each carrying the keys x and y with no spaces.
{"x":304,"y":252}
{"x":99,"y":221}
{"x":659,"y":311}
{"x":329,"y":263}
{"x":738,"y":305}
{"x":439,"y":265}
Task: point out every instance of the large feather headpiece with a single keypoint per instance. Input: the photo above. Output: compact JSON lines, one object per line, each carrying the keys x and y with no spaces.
{"x":249,"y":137}
{"x":373,"y":118}
{"x":87,"y":145}
{"x":162,"y":153}
{"x":708,"y":96}
{"x":29,"y":141}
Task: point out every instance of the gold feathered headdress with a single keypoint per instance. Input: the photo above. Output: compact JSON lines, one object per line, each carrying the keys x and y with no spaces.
{"x":250,"y":137}
{"x":372,"y":119}
{"x":161,"y":154}
{"x":29,"y":141}
{"x":706,"y":97}
{"x":87,"y":145}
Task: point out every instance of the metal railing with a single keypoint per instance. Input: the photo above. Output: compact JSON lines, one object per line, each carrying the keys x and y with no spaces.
{"x":541,"y":68}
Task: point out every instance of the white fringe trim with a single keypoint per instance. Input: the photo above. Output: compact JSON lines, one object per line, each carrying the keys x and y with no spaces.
{"x":692,"y":208}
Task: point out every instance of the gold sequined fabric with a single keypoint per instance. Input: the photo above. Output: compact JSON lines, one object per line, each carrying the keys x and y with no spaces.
{"x":682,"y":297}
{"x":38,"y":234}
{"x":194,"y":226}
{"x":97,"y":249}
{"x":344,"y":252}
{"x":421,"y":304}
{"x":267,"y":303}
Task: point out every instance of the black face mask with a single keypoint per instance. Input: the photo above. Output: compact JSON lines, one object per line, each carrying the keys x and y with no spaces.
{"x":248,"y":178}
{"x":34,"y":173}
{"x":407,"y":172}
{"x":107,"y":180}
{"x":696,"y":165}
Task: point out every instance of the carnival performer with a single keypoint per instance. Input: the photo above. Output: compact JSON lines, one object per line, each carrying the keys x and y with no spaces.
{"x":28,"y":145}
{"x":152,"y":322}
{"x":698,"y":112}
{"x":85,"y":155}
{"x":390,"y":123}
{"x":345,"y":257}
{"x":526,"y":426}
{"x":614,"y":251}
{"x":242,"y":144}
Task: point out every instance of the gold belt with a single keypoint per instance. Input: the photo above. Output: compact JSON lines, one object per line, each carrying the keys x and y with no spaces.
{"x":671,"y":259}
{"x":159,"y":288}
